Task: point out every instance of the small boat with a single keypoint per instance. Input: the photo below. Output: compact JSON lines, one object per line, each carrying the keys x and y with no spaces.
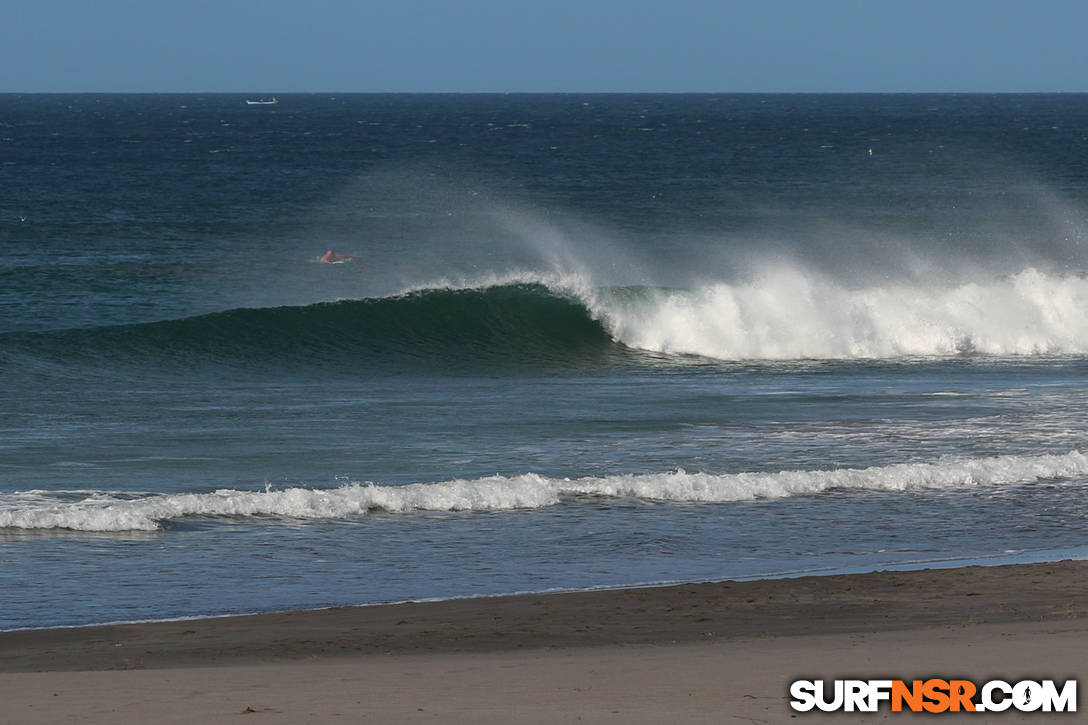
{"x":262,"y":102}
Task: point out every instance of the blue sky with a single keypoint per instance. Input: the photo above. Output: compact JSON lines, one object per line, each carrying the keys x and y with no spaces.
{"x":279,"y":46}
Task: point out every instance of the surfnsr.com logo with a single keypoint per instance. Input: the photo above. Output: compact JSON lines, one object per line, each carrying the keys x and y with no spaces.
{"x":933,"y":695}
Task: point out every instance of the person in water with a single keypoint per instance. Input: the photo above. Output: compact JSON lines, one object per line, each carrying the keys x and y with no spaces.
{"x":331,"y":256}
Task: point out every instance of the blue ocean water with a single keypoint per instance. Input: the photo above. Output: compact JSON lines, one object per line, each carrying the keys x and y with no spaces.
{"x":584,"y":341}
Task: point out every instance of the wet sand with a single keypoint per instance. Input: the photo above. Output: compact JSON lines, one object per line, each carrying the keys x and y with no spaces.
{"x":717,"y":652}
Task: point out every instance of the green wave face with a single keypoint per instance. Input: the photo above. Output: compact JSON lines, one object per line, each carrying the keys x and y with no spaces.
{"x":514,"y":324}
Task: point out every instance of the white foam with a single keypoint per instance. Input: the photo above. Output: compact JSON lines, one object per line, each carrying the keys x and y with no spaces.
{"x":100,"y":511}
{"x":788,"y":313}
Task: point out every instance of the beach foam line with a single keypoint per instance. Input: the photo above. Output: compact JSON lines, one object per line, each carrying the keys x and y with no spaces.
{"x":103,"y":511}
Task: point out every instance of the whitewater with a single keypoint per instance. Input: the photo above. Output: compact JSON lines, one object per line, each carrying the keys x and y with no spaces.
{"x":785,"y":312}
{"x":789,"y":314}
{"x":104,"y":511}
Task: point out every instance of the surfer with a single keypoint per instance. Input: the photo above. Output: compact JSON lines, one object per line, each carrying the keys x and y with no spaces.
{"x":330,"y":256}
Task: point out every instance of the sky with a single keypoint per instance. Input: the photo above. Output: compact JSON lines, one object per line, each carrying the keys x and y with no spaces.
{"x":281,"y":46}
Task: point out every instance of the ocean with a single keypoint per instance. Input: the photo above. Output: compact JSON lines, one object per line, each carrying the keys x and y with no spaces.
{"x":584,"y":341}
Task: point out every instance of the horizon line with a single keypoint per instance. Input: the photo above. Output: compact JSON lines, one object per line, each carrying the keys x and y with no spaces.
{"x":549,"y":93}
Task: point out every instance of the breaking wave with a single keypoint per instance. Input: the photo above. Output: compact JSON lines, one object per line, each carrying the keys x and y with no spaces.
{"x":784,"y":314}
{"x":99,"y":511}
{"x":790,"y":314}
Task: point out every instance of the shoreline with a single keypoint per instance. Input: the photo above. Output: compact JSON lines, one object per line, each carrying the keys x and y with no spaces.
{"x":824,"y":604}
{"x":1043,"y":556}
{"x":691,"y":653}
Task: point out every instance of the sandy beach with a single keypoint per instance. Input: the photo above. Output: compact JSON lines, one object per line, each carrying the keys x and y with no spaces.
{"x":715,"y":652}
